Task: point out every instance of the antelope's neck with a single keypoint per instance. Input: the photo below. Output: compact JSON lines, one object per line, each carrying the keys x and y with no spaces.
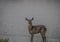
{"x":30,"y":26}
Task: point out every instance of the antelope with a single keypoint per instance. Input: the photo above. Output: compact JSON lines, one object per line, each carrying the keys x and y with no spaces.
{"x":36,"y":29}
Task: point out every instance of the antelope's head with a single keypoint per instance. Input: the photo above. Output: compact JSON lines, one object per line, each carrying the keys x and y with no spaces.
{"x":29,"y":20}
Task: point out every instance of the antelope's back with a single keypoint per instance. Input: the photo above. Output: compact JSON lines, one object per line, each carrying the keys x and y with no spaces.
{"x":39,"y":27}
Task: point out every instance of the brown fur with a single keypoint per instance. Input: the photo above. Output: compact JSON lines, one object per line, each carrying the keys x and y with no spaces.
{"x":36,"y":29}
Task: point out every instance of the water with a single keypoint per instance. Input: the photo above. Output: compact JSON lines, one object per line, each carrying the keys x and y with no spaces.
{"x":13,"y":19}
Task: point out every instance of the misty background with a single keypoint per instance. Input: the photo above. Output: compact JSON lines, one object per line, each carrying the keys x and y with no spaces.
{"x":14,"y":26}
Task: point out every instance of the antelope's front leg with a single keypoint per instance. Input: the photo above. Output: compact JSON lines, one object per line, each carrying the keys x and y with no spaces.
{"x":32,"y":38}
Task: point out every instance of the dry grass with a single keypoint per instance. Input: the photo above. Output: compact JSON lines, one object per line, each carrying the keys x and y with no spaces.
{"x":4,"y":40}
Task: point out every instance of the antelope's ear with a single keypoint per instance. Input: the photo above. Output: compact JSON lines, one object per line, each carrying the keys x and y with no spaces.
{"x":32,"y":18}
{"x":26,"y":19}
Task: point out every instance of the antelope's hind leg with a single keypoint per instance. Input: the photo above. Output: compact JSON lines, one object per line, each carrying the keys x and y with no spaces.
{"x":43,"y":36}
